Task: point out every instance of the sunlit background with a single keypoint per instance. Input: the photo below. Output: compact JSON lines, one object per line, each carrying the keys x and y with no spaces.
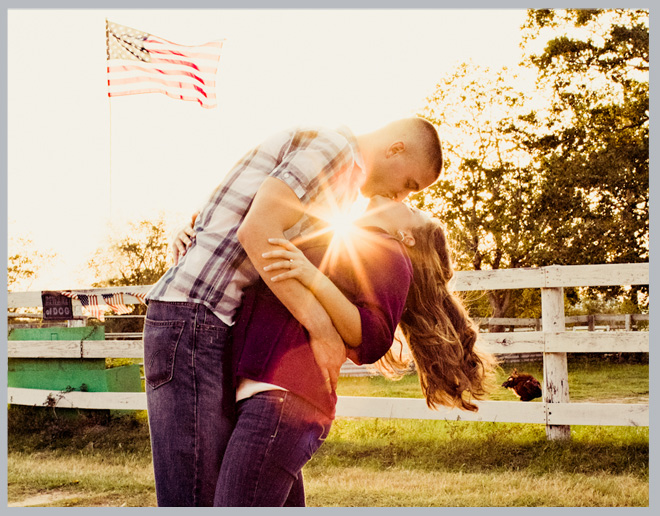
{"x":82,"y":166}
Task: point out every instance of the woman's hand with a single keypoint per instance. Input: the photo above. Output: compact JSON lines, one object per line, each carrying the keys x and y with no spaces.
{"x":183,"y":239}
{"x":345,"y":315}
{"x":295,"y":263}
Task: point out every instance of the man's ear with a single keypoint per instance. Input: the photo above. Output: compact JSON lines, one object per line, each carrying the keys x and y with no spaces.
{"x":406,"y":238}
{"x":396,"y":148}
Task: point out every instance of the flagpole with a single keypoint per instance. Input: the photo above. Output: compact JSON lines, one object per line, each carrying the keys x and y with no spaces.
{"x":110,"y":158}
{"x":109,"y":127}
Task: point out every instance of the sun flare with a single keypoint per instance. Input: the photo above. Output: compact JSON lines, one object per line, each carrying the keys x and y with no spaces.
{"x":348,"y":242}
{"x":343,"y":223}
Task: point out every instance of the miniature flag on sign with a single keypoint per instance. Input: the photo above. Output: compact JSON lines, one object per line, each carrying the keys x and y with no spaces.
{"x":141,"y":297}
{"x":139,"y":62}
{"x":116,"y":303}
{"x":90,"y":303}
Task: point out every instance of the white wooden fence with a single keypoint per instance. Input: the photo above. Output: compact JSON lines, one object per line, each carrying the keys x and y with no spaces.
{"x":555,"y":410}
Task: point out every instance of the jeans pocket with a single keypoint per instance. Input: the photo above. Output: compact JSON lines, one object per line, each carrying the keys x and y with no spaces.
{"x":161,"y":339}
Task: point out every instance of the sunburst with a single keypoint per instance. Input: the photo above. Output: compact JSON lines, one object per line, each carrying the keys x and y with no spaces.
{"x":348,"y":240}
{"x":342,"y":224}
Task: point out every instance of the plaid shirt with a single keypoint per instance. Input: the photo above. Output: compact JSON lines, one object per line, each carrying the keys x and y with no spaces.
{"x":322,"y":167}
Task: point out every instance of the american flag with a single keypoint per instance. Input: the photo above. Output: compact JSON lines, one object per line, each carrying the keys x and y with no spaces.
{"x":139,"y":62}
{"x":116,"y":303}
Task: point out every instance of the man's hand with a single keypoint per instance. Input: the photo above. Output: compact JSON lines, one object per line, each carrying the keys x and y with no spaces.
{"x":329,"y":353}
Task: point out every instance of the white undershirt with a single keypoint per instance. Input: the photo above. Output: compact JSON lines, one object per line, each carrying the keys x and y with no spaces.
{"x":247,"y":388}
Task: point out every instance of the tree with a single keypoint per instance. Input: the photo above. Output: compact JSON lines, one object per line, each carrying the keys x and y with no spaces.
{"x":24,"y":263}
{"x":593,"y":149}
{"x":487,"y":196}
{"x":139,"y":258}
{"x":554,"y":176}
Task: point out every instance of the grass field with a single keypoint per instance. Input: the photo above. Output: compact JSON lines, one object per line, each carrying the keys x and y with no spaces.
{"x":369,"y":462}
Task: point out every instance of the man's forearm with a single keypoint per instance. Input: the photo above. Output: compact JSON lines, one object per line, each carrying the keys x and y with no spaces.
{"x":298,"y":299}
{"x":325,"y":342}
{"x":275,"y":209}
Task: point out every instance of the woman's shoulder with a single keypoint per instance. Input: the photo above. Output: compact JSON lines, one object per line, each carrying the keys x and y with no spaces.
{"x":380,"y":245}
{"x":373,"y":255}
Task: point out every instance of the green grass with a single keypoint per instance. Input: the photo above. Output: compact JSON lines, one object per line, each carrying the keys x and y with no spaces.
{"x":457,"y":447}
{"x":95,"y":461}
{"x":589,"y":380}
{"x":409,"y":488}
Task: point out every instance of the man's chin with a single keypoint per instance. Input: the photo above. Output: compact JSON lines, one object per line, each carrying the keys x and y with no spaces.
{"x":366,"y":192}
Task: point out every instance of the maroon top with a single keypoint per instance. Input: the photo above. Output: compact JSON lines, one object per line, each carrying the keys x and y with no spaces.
{"x":271,"y":346}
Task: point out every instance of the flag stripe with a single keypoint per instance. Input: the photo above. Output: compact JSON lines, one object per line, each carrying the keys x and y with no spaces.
{"x":116,"y":303}
{"x":91,"y":306}
{"x":184,"y":65}
{"x":141,"y":296}
{"x":217,"y":45}
{"x":118,"y":72}
{"x":165,"y":92}
{"x":212,"y":57}
{"x":139,"y":86}
{"x":191,"y":59}
{"x":147,"y":86}
{"x":169,"y":84}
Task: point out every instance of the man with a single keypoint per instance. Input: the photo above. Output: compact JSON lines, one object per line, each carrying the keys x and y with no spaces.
{"x":274,"y":191}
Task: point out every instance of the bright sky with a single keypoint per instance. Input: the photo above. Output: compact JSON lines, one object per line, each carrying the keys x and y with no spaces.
{"x":78,"y":160}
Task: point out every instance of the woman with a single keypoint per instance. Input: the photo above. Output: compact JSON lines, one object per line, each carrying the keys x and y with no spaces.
{"x":395,"y":268}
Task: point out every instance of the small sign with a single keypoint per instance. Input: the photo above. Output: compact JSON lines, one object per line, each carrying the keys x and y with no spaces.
{"x":56,"y":306}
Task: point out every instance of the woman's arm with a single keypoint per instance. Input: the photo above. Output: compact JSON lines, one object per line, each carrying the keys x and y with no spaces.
{"x":343,"y":313}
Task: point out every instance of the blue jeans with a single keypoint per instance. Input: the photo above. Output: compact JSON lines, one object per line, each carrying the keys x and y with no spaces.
{"x":190,"y":400}
{"x":276,"y":434}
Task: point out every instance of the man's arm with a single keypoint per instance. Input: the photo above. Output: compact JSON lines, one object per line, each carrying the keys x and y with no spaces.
{"x":367,"y":322}
{"x":344,"y":314}
{"x":274,"y":209}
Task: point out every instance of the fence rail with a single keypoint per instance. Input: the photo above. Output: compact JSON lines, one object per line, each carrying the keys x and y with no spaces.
{"x":552,"y":341}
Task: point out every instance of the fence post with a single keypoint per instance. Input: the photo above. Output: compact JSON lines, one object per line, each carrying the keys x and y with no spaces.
{"x":555,"y":365}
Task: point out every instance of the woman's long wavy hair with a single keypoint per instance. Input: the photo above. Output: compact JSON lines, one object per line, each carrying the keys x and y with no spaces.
{"x":439,"y":332}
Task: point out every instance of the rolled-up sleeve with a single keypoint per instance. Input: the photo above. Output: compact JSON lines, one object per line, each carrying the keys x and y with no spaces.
{"x":312,"y":160}
{"x":382,"y":305}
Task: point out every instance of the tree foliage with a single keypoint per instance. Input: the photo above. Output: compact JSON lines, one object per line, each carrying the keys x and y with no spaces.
{"x":137,"y":258}
{"x":24,"y":263}
{"x":487,"y":194}
{"x":554,"y":175}
{"x":487,"y":197}
{"x":593,"y":148}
